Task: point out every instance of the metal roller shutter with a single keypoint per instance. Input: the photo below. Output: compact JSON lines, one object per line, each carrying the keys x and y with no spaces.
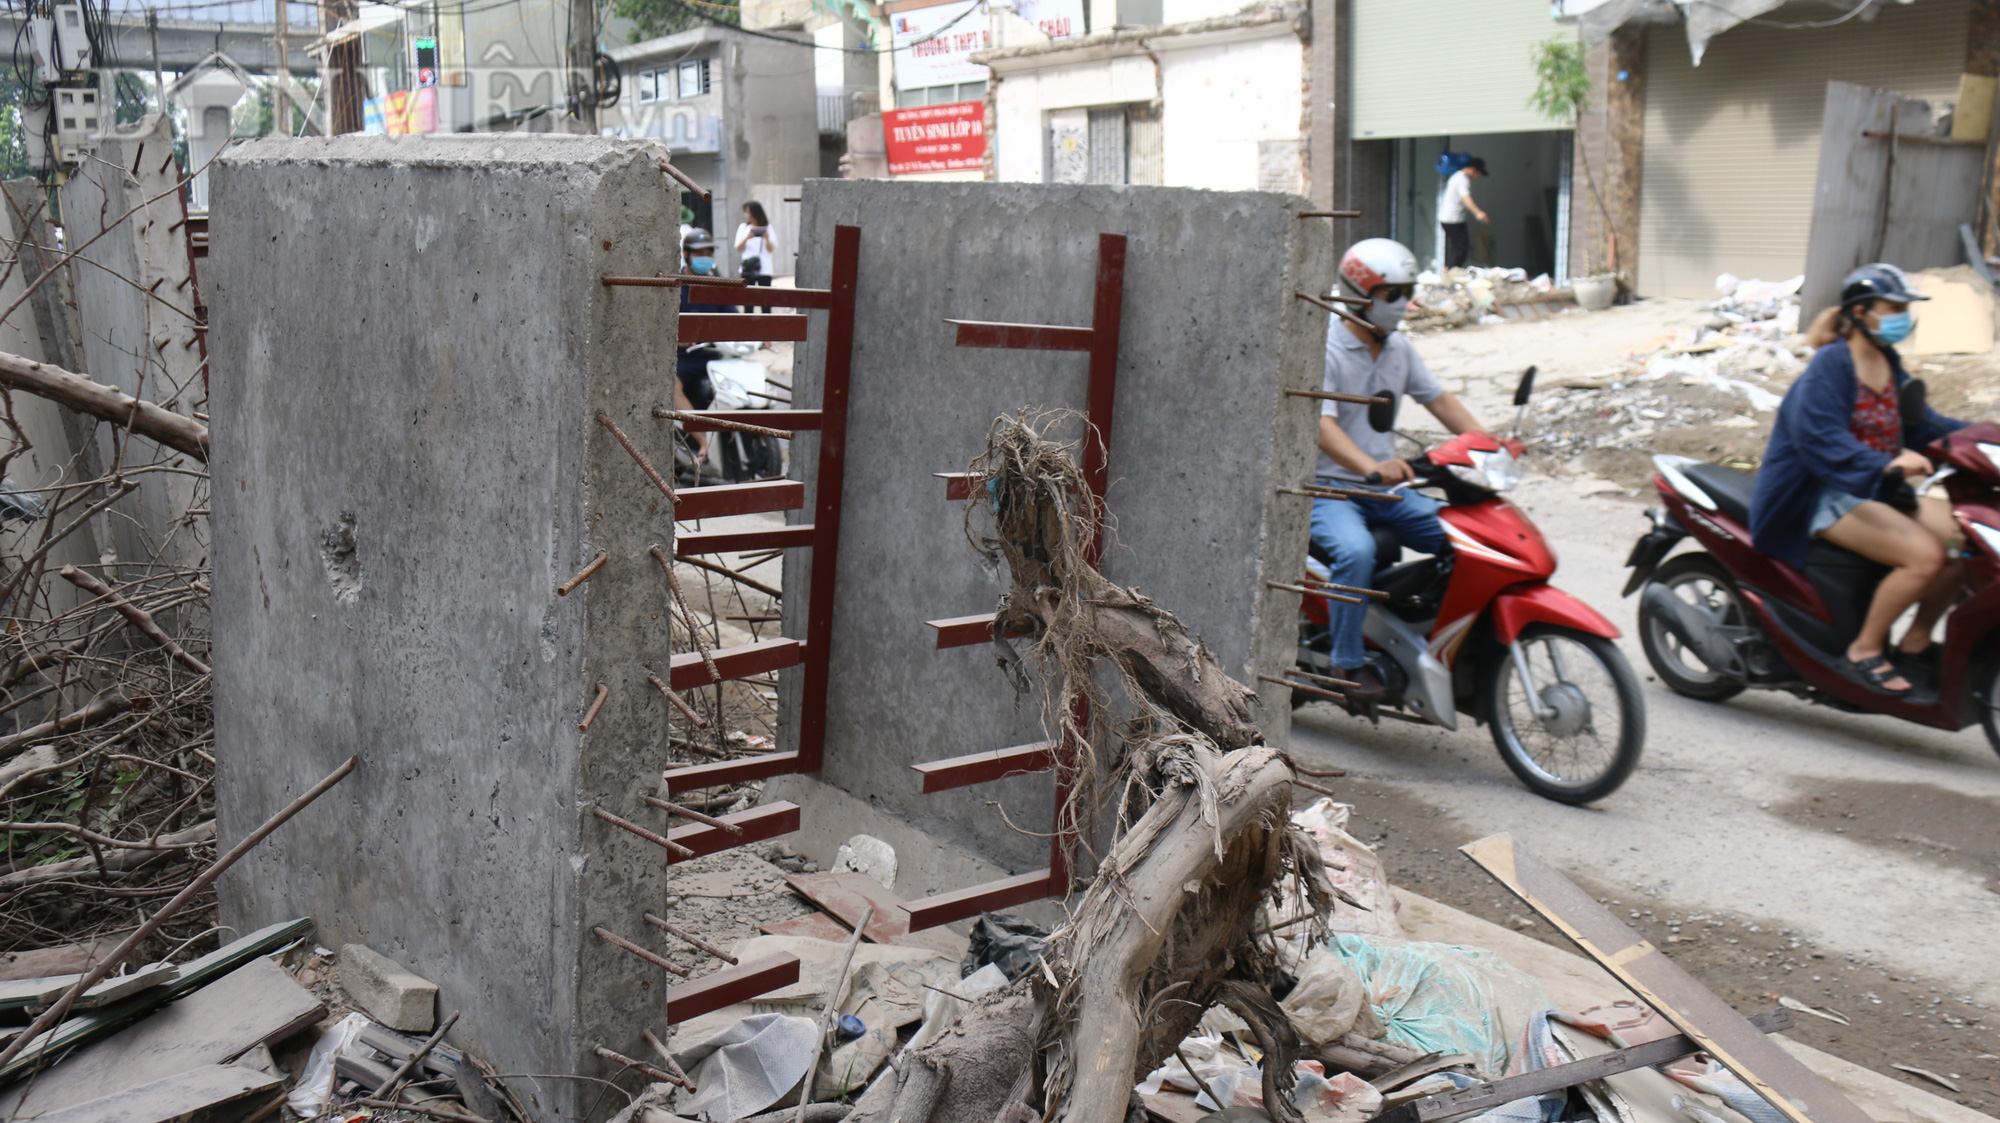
{"x":1732,"y":146}
{"x":1433,"y":67}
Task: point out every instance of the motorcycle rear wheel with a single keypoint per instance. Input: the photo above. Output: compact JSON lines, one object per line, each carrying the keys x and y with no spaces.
{"x":1700,"y":579}
{"x":1589,"y":743}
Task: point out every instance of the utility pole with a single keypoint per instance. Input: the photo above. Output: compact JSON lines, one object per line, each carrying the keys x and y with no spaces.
{"x":281,"y":101}
{"x":583,"y":61}
{"x":342,"y":82}
{"x":153,"y":32}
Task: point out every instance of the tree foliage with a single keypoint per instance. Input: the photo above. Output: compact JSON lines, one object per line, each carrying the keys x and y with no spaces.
{"x":1562,"y":82}
{"x":655,"y":18}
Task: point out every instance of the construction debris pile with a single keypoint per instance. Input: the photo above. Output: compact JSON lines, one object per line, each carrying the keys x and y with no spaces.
{"x":1707,"y":392}
{"x":1481,"y":295}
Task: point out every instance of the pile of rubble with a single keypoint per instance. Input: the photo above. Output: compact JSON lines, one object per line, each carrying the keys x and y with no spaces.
{"x":1458,"y":297}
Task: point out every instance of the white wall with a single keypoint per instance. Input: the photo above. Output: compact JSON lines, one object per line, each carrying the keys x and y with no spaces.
{"x":1022,"y":99}
{"x":1221,"y":101}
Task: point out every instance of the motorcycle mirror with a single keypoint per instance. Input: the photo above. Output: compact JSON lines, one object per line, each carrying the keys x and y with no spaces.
{"x":1525,"y":389}
{"x":1382,"y":413}
{"x":1912,"y":402}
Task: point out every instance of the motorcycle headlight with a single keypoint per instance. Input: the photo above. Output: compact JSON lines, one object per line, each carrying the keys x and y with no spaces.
{"x":1493,"y":471}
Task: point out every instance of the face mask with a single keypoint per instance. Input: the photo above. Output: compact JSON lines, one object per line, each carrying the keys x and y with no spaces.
{"x":1894,"y":328}
{"x":702,"y":265}
{"x":1386,"y":315}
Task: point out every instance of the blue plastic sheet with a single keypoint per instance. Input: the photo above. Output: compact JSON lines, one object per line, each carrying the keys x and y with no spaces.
{"x":1444,"y":998}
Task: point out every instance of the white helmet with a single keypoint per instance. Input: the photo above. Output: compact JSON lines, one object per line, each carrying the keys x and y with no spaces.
{"x":1377,"y":261}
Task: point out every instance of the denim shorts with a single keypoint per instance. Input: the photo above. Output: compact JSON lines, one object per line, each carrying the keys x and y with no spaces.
{"x":1830,"y":507}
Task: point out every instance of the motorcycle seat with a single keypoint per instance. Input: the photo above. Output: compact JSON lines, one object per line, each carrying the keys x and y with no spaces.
{"x":1729,"y":487}
{"x":1388,"y":549}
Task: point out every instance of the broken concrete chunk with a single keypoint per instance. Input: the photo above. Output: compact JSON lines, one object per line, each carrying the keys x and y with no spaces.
{"x":865,"y":854}
{"x":388,"y":991}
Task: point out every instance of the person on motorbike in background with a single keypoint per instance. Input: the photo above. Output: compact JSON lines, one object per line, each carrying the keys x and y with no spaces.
{"x":691,"y":386}
{"x":1837,"y":468}
{"x":1367,"y":356}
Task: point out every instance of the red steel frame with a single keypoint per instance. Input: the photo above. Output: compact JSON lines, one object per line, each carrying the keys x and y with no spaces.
{"x":1100,"y":341}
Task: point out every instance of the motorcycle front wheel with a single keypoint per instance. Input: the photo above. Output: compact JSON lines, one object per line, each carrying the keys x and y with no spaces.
{"x":1585,"y":737}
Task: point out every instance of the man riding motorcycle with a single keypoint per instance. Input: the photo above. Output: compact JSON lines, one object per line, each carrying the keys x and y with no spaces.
{"x":1836,"y":469}
{"x":1368,"y":356}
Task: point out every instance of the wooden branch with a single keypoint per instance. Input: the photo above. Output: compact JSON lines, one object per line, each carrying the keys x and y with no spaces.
{"x":115,"y":861}
{"x":140,"y":618}
{"x":47,"y":657}
{"x":182,"y":434}
{"x":94,"y":712}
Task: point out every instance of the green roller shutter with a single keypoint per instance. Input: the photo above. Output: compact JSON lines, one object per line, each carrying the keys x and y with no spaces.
{"x":1435,"y":67}
{"x":1732,"y":146}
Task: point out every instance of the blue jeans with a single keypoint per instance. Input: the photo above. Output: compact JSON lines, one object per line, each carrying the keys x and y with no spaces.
{"x":1340,"y":528}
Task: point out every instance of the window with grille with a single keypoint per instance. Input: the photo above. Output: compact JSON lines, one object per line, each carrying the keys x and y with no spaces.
{"x":681,"y":80}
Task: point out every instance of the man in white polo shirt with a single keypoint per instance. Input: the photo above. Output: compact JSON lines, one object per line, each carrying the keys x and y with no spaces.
{"x":1457,"y":206}
{"x":1367,"y":356}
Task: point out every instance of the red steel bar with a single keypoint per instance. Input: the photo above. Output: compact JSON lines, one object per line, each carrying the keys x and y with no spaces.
{"x":740,"y":541}
{"x":957,"y":485}
{"x":711,"y":420}
{"x":963,"y":631}
{"x":1022,"y":337}
{"x":714,"y":293}
{"x":740,"y":499}
{"x":730,"y":986}
{"x":725,"y":772}
{"x":826,"y":499}
{"x":741,"y":661}
{"x":980,"y":768}
{"x":947,"y":907}
{"x":758,"y":823}
{"x":711,"y":327}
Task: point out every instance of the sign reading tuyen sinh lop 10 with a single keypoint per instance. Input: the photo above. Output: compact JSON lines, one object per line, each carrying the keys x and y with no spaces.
{"x":936,"y":138}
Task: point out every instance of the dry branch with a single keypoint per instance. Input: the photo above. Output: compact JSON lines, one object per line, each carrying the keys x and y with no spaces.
{"x":98,"y":712}
{"x":123,"y":860}
{"x":140,"y":618}
{"x":183,"y":434}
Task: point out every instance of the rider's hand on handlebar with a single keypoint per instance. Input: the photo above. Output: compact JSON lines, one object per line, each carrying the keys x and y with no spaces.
{"x":1394,"y":471}
{"x":1910,"y":464}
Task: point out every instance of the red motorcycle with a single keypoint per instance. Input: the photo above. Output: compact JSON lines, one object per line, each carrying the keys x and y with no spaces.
{"x":1724,"y":619}
{"x":1478,"y":630}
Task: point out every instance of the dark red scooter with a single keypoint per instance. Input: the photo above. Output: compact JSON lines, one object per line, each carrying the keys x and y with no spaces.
{"x":1717,"y":621}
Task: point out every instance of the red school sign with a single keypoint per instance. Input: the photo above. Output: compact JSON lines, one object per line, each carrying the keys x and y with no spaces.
{"x":936,"y":138}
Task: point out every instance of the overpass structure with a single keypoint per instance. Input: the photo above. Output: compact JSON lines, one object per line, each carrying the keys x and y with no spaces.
{"x":188,"y":33}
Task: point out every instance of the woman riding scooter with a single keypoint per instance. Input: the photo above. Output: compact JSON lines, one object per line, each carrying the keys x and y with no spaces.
{"x":1837,"y":468}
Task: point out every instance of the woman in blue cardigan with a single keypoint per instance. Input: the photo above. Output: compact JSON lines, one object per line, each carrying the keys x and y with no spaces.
{"x":1836,"y":469}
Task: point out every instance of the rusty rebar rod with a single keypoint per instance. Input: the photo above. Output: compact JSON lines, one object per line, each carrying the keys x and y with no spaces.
{"x":734,"y":576}
{"x":642,"y":953}
{"x":659,"y":1074}
{"x":649,"y":836}
{"x":645,"y":465}
{"x":691,"y":814}
{"x":1330,"y":681}
{"x":680,"y":703}
{"x":584,"y":574}
{"x":687,"y":614}
{"x":673,"y":1066}
{"x":1302,"y":686}
{"x":1312,"y":787}
{"x":1316,"y":590}
{"x":690,"y":938}
{"x":681,"y":178}
{"x":1305,"y":592}
{"x":675,"y":280}
{"x":596,"y":704}
{"x":1329,"y":214}
{"x":666,"y":414}
{"x":1330,"y":396}
{"x":139,"y":617}
{"x":1319,"y":491}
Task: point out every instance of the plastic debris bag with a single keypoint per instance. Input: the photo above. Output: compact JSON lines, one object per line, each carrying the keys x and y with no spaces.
{"x":1354,"y":869}
{"x":308,"y":1097}
{"x":1445,"y":999}
{"x":1345,"y":1098}
{"x":1012,"y":943}
{"x":747,"y":1067}
{"x":1328,"y":998}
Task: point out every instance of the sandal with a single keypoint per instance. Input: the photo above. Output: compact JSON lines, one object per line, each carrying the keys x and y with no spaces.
{"x":1874,"y":673}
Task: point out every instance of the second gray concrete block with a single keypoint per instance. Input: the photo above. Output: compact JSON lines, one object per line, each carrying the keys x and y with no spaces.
{"x":387,"y":991}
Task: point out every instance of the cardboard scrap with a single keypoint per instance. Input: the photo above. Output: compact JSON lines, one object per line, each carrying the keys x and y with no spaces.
{"x":172,"y":1097}
{"x":1956,"y":320}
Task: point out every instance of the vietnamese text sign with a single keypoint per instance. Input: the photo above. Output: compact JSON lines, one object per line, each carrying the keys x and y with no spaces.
{"x":934,"y":45}
{"x":936,"y":138}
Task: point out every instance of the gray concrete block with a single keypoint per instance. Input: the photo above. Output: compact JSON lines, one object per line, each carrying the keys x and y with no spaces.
{"x":387,"y":991}
{"x":410,"y":343}
{"x":1202,"y":435}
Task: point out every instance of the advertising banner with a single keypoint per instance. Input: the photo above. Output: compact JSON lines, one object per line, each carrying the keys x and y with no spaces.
{"x":936,"y":138}
{"x":933,"y":44}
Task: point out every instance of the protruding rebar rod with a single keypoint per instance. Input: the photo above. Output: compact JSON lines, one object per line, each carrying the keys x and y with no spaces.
{"x":680,"y":703}
{"x":1312,"y":787}
{"x":1302,"y":686}
{"x":642,"y":953}
{"x":645,"y":465}
{"x":582,"y":575}
{"x":1301,"y":590}
{"x":733,"y":575}
{"x":649,"y":836}
{"x":1330,"y":681}
{"x":667,"y":1057}
{"x":659,"y":1074}
{"x":1330,"y":396}
{"x":1313,"y":591}
{"x":666,"y":414}
{"x":691,"y":814}
{"x":690,"y":938}
{"x":687,"y":614}
{"x":596,"y":704}
{"x":1318,"y":491}
{"x":676,"y":280}
{"x":681,"y":178}
{"x":1329,"y":214}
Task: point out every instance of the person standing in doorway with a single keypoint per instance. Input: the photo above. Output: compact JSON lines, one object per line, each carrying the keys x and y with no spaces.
{"x":1458,"y":205}
{"x":754,"y":246}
